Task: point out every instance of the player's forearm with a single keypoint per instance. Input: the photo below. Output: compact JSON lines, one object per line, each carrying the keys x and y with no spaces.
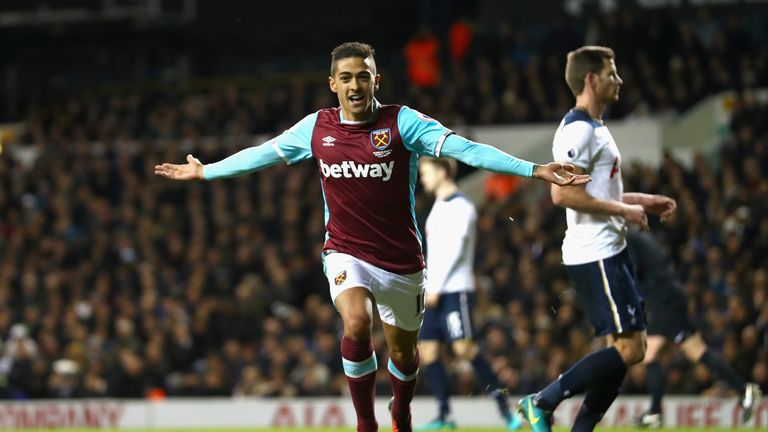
{"x":243,"y":162}
{"x":642,"y":199}
{"x":577,"y":198}
{"x":485,"y":157}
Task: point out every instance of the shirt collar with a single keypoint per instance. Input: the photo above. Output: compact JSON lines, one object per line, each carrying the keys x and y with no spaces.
{"x":374,"y":114}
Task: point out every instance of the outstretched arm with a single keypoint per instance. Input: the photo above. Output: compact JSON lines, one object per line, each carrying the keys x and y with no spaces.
{"x":492,"y":159}
{"x":426,"y":136}
{"x":291,"y":146}
{"x":243,"y":162}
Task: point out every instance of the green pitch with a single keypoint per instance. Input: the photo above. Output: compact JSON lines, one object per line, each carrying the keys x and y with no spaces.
{"x":557,"y":429}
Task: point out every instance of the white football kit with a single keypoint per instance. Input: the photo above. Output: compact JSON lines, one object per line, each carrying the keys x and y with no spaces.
{"x":586,"y":143}
{"x":451,"y":239}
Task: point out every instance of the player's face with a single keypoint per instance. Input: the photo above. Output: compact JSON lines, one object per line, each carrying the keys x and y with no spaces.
{"x":354,"y":82}
{"x":608,"y":83}
{"x":430,"y":176}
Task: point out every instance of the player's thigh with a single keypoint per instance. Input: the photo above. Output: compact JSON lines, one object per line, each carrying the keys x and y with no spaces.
{"x":350,"y":282}
{"x":666,"y":306}
{"x":607,"y":292}
{"x":400,"y":299}
{"x":432,"y":328}
{"x":456,"y":316}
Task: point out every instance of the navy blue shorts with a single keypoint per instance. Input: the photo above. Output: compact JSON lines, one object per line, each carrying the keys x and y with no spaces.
{"x":667,"y":310}
{"x":607,"y":292}
{"x":451,"y":319}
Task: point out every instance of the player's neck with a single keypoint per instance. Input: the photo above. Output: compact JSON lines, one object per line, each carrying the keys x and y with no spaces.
{"x":590,"y":105}
{"x":366,"y":117}
{"x":445,"y":190}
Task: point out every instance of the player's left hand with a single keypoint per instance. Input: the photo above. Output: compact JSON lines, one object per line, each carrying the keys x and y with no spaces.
{"x":661,"y":205}
{"x":561,"y":174}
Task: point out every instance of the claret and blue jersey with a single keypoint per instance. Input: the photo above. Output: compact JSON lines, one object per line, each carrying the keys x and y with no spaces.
{"x":368,"y":172}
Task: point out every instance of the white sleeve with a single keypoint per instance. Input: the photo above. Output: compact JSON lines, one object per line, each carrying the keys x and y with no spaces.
{"x":572,"y":144}
{"x":446,"y":244}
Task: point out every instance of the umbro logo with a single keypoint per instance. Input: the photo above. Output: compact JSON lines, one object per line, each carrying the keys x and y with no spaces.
{"x":328,"y":141}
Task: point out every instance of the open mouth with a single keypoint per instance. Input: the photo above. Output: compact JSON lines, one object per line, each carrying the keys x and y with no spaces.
{"x":356,"y":100}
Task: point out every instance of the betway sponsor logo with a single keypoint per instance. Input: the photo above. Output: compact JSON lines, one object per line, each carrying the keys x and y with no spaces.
{"x":349,"y":169}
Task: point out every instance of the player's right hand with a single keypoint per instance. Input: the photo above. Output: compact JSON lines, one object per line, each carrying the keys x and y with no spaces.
{"x":561,"y":174}
{"x":192,"y":170}
{"x":431,"y":300}
{"x":635,"y":214}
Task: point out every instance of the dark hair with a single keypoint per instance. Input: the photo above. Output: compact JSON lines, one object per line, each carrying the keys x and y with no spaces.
{"x":582,"y":61}
{"x":350,"y":49}
{"x":446,"y":164}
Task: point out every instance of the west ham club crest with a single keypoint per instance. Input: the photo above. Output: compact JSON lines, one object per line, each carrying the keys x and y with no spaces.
{"x":380,"y":139}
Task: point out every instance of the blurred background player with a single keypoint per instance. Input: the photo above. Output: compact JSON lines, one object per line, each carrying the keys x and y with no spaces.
{"x":667,"y":309}
{"x":451,"y":233}
{"x":594,"y":248}
{"x":366,"y":156}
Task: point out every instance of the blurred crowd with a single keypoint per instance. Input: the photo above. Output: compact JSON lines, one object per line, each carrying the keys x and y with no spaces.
{"x":464,"y":73}
{"x":669,"y":60}
{"x":114,"y":282}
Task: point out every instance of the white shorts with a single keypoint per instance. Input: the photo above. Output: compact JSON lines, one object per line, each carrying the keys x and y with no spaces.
{"x":399,"y":298}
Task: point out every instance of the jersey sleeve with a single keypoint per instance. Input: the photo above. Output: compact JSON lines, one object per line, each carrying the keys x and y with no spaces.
{"x":421,"y":134}
{"x":485,"y":156}
{"x":572,"y":144}
{"x":291,"y":146}
{"x":243,"y":162}
{"x":295,"y":144}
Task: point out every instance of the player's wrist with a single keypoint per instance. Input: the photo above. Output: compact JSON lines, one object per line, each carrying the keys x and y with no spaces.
{"x":536,"y":171}
{"x":623,"y":209}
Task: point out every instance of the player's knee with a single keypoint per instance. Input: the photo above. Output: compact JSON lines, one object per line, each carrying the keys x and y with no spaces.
{"x":357,"y":326}
{"x":693,"y":347}
{"x":428,"y":352}
{"x":402,"y":355}
{"x":632,"y":351}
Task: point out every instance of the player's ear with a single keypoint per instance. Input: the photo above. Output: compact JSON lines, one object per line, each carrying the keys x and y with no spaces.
{"x":589,"y":80}
{"x":376,"y":82}
{"x":332,"y":84}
